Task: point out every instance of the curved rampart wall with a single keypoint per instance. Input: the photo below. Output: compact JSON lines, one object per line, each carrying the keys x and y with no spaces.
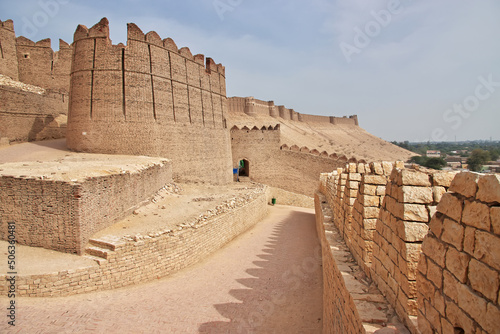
{"x":133,"y":262}
{"x":149,"y":98}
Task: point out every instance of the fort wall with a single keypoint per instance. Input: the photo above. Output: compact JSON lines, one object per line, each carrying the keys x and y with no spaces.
{"x":148,"y":258}
{"x":149,"y":98}
{"x":252,"y":107}
{"x":277,"y":166}
{"x":8,"y":56}
{"x":32,"y":113}
{"x":40,"y":66}
{"x":62,"y":211}
{"x":458,"y":273}
{"x":34,"y":87}
{"x":387,"y":215}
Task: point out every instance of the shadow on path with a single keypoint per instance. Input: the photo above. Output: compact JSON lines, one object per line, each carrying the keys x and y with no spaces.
{"x":283,"y":290}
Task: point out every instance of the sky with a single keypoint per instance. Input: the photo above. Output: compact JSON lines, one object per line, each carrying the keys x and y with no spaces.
{"x":412,"y":70}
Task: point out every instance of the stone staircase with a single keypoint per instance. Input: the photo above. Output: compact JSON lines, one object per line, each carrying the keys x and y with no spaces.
{"x":99,"y":250}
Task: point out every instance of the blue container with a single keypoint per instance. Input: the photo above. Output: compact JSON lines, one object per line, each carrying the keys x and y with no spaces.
{"x":235,"y":170}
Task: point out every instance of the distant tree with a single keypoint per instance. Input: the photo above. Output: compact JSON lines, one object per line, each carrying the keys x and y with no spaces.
{"x":404,"y":144}
{"x":418,"y":159}
{"x":478,"y":158}
{"x":494,"y":154}
{"x":435,"y":163}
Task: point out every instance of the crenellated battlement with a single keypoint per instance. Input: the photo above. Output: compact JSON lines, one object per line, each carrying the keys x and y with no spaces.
{"x":324,"y":154}
{"x":148,"y":97}
{"x":263,"y":128}
{"x":7,"y":24}
{"x":39,"y":65}
{"x":35,"y":87}
{"x":253,"y":107}
{"x":34,"y":63}
{"x":134,"y":33}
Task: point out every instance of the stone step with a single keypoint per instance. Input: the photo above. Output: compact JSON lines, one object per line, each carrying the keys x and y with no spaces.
{"x":102,"y":244}
{"x":97,"y":259}
{"x":97,"y":251}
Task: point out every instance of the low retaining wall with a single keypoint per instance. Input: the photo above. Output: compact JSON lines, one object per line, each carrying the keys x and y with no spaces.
{"x":131,"y":262}
{"x":58,"y":205}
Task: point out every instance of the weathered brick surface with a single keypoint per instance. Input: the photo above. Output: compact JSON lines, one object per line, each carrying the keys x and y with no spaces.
{"x":39,"y":65}
{"x":149,"y":98}
{"x":149,"y":257}
{"x":8,"y":61}
{"x":34,"y":87}
{"x":277,"y":166}
{"x":60,"y":211}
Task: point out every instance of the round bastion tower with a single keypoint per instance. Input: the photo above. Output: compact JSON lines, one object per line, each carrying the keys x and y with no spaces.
{"x":149,"y":98}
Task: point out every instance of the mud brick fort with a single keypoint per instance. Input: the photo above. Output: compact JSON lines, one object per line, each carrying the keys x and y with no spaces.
{"x":404,"y":249}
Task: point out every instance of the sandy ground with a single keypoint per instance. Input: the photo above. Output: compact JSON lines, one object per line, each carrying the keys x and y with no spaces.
{"x":176,"y":205}
{"x":267,"y":280}
{"x":48,"y":150}
{"x":172,"y":209}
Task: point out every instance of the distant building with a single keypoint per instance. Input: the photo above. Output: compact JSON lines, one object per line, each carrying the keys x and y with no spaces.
{"x":433,"y":154}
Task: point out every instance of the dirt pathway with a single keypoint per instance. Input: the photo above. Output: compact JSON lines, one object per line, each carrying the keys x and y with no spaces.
{"x":266,"y":281}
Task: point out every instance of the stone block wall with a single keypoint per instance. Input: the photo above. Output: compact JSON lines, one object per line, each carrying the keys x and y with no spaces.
{"x":366,"y":210}
{"x":409,"y":203}
{"x":458,"y":278}
{"x":62,"y":211}
{"x":400,"y":212}
{"x":149,"y":98}
{"x":351,"y":301}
